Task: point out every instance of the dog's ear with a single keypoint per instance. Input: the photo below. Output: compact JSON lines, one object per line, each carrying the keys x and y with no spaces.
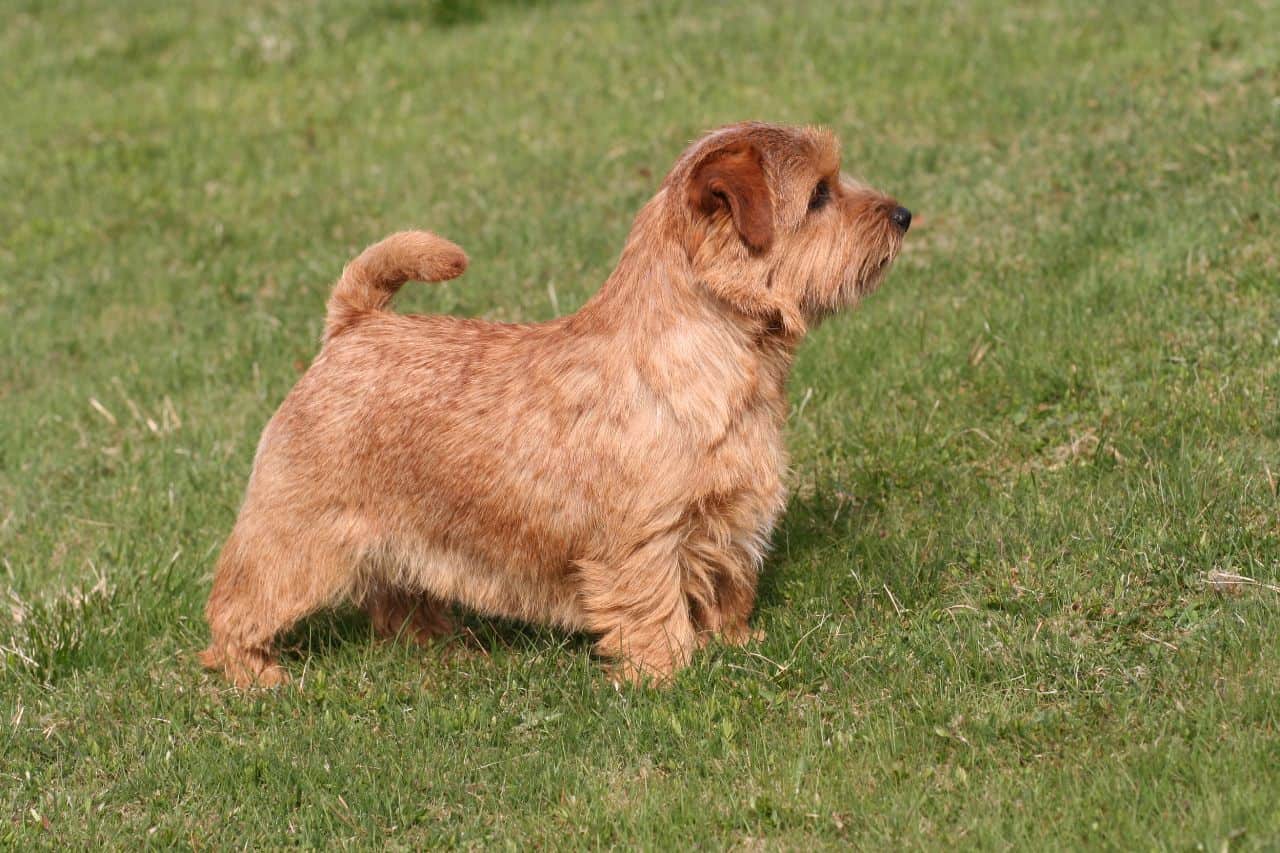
{"x":732,"y":178}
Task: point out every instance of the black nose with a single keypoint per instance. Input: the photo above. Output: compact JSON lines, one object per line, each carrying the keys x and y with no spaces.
{"x":901,"y":217}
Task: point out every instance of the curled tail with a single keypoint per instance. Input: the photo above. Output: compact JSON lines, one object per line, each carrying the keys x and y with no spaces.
{"x":369,"y":282}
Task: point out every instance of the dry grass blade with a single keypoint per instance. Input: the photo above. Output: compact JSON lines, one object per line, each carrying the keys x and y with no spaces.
{"x":1229,"y":583}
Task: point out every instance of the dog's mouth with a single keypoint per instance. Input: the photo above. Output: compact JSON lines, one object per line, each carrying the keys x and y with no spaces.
{"x":877,"y":270}
{"x":889,"y":256}
{"x":893,"y":245}
{"x":878,"y":273}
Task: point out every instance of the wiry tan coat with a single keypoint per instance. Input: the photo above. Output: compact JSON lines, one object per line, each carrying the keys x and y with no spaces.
{"x":616,"y":471}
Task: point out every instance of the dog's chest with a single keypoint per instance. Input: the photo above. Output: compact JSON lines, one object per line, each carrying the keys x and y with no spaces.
{"x":741,"y":474}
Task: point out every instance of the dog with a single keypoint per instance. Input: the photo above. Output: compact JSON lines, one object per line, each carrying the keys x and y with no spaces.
{"x":616,"y":471}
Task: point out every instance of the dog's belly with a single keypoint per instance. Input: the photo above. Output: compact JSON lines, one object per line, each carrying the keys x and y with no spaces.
{"x":526,"y":594}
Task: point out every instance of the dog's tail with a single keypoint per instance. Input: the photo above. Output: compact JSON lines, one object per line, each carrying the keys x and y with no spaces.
{"x":369,"y":282}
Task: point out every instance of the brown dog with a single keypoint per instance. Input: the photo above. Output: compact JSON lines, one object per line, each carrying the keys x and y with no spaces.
{"x":616,"y":471}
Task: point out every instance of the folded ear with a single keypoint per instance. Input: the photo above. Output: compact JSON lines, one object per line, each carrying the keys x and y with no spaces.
{"x":732,"y":178}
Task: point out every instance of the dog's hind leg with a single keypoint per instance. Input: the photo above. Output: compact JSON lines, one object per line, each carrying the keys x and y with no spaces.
{"x":401,"y":614}
{"x":265,"y":582}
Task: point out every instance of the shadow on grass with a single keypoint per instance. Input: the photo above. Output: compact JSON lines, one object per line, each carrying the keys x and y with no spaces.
{"x":447,"y":14}
{"x":819,"y":520}
{"x":325,"y":634}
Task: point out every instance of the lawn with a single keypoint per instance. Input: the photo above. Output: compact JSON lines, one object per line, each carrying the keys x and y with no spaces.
{"x":1027,"y":590}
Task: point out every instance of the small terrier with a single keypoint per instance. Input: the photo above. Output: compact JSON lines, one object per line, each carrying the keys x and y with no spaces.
{"x":616,"y":471}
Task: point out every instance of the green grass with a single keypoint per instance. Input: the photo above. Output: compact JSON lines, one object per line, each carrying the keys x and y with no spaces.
{"x":1014,"y":468}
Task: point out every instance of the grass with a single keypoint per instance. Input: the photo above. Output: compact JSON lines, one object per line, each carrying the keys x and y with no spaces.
{"x":995,"y":612}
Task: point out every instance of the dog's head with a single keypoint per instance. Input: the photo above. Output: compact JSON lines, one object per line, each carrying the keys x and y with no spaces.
{"x":773,"y":228}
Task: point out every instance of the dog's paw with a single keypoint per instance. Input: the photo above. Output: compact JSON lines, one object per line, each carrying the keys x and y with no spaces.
{"x":741,"y":635}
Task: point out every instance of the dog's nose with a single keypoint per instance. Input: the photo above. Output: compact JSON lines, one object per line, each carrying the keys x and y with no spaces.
{"x":901,"y":217}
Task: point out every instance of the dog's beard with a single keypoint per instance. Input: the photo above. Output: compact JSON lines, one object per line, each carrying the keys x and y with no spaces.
{"x":862,"y":277}
{"x":873,"y":266}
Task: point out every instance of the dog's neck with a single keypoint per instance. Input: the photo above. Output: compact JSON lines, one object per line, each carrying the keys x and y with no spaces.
{"x":655,"y":281}
{"x":687,"y":343}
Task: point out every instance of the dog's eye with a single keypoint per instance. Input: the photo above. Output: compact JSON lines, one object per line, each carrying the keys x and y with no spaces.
{"x":821,"y":195}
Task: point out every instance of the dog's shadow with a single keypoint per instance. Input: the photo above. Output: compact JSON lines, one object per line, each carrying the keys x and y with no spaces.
{"x":815,"y":520}
{"x":818,"y":520}
{"x":327,"y":633}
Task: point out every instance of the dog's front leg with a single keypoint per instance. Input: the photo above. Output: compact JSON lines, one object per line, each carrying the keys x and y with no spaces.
{"x":636,"y":606}
{"x":735,"y":601}
{"x":723,"y":615}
